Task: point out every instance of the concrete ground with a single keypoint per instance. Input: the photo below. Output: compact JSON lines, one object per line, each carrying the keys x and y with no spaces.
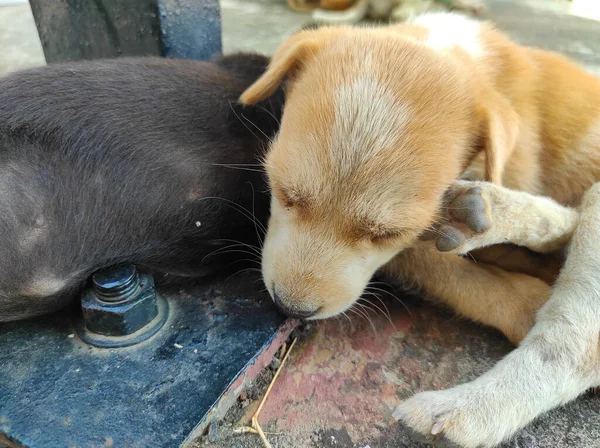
{"x":344,"y":378}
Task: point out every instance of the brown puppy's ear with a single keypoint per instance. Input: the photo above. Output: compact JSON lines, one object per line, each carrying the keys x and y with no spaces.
{"x":502,"y":131}
{"x":297,"y":50}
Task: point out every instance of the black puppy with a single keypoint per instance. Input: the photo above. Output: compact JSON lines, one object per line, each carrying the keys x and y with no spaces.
{"x":136,"y":160}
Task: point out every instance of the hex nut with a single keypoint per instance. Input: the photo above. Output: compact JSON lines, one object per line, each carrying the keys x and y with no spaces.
{"x":121,"y":318}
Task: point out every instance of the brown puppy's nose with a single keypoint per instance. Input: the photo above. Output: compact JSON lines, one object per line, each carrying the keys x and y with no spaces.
{"x":291,"y":311}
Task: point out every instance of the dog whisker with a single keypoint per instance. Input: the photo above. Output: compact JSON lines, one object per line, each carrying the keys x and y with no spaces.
{"x":242,"y":271}
{"x":358,"y":311}
{"x":224,"y":248}
{"x":269,"y":112}
{"x":231,"y":246}
{"x":247,"y":260}
{"x":471,"y":257}
{"x":365,"y":310}
{"x":371,"y":304}
{"x":254,"y":213}
{"x":240,"y":120}
{"x":222,"y":251}
{"x":353,"y":311}
{"x":361,"y":314}
{"x":239,"y":164}
{"x":258,"y":129}
{"x":243,"y":210}
{"x":249,"y":121}
{"x":383,"y":291}
{"x":375,"y":308}
{"x":339,"y":322}
{"x":241,"y":243}
{"x":385,"y":311}
{"x":349,"y":320}
{"x":238,"y":167}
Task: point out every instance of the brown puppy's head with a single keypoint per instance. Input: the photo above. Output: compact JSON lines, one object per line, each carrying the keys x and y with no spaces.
{"x":375,"y":128}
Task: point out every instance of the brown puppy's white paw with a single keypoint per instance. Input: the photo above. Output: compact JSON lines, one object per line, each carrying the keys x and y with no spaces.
{"x":455,"y":417}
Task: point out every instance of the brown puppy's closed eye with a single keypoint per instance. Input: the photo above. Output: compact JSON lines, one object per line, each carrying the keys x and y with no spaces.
{"x":376,"y":127}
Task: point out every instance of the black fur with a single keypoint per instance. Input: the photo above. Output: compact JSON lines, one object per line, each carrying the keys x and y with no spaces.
{"x":116,"y":160}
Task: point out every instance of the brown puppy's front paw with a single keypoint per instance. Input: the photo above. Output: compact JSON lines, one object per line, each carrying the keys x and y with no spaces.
{"x":467,"y":215}
{"x":465,"y":416}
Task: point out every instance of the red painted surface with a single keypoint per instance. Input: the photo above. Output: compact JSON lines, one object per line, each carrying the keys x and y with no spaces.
{"x":342,"y":382}
{"x":350,"y":376}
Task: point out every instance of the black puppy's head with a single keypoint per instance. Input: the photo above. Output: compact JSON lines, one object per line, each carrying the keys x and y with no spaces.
{"x":245,"y":65}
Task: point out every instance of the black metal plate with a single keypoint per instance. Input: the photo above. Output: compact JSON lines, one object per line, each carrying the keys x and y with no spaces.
{"x":57,"y":391}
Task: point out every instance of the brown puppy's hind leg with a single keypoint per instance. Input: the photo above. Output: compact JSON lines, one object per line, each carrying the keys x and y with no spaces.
{"x":504,"y":300}
{"x":520,"y":259}
{"x":480,"y":214}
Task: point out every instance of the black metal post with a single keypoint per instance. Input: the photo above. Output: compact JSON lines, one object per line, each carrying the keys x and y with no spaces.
{"x":72,"y":30}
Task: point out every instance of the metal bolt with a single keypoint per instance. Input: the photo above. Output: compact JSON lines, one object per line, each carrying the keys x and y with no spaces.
{"x":116,"y":283}
{"x":121,"y":308}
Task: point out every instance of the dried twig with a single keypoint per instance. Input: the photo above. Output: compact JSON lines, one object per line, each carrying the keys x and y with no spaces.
{"x":256,"y":428}
{"x":244,"y":430}
{"x":249,"y":430}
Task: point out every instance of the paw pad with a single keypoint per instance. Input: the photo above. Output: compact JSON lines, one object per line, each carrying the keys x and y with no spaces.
{"x":467,"y":215}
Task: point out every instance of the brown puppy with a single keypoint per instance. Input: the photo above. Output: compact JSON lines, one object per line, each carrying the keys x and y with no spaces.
{"x":378,"y":123}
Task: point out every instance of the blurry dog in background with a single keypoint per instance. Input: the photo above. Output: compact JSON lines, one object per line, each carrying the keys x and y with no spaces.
{"x":353,"y":11}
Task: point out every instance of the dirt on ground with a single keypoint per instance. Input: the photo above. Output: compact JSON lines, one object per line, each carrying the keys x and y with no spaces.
{"x":226,"y":433}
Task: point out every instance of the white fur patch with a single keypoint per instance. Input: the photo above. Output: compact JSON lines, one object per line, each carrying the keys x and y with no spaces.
{"x":447,"y":30}
{"x":34,"y":234}
{"x":45,"y":285}
{"x":591,"y":142}
{"x":368,"y":118}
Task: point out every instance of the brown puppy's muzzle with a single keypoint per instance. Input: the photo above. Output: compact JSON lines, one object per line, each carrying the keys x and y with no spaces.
{"x":292,"y":311}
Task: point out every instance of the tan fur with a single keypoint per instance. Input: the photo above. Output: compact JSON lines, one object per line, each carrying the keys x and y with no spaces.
{"x":559,"y":358}
{"x":379,"y":124}
{"x":474,"y":103}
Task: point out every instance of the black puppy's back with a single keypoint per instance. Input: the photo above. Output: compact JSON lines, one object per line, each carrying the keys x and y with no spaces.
{"x":137,"y":160}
